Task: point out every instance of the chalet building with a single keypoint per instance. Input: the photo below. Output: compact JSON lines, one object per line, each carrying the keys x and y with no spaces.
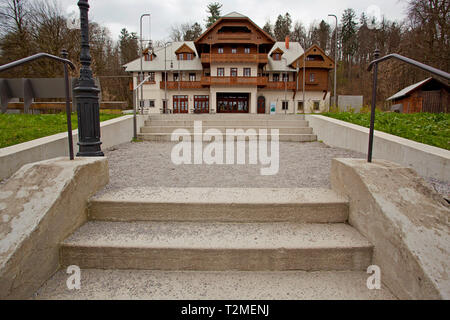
{"x":429,"y":95}
{"x":233,"y":67}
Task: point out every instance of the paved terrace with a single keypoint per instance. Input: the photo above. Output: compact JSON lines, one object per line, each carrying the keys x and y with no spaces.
{"x":148,"y":164}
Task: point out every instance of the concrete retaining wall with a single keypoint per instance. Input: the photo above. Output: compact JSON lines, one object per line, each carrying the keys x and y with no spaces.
{"x":405,"y":220}
{"x":113,"y":132}
{"x":427,"y":160}
{"x":41,"y":205}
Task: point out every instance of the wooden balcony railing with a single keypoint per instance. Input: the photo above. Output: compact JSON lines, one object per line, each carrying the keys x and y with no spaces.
{"x":233,"y":81}
{"x":234,"y":57}
{"x":280,"y":85}
{"x":174,"y":85}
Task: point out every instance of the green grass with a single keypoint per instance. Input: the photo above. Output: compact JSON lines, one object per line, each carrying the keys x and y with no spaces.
{"x":18,"y":128}
{"x":429,"y":128}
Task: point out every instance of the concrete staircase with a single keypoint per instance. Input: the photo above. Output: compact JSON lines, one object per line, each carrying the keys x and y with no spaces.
{"x":214,"y":243}
{"x":291,"y":127}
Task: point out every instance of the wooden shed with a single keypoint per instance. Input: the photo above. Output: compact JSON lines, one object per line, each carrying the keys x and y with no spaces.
{"x":429,"y":95}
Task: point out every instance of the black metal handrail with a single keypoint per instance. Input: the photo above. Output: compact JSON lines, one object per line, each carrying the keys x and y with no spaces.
{"x":374,"y":64}
{"x":66,"y":80}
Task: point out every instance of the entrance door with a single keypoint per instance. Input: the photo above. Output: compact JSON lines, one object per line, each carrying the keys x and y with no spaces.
{"x":180,"y":104}
{"x":261,"y":104}
{"x":232,"y":102}
{"x":201,"y":104}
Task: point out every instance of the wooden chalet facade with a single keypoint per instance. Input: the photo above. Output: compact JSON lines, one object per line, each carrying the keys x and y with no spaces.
{"x":234,"y":67}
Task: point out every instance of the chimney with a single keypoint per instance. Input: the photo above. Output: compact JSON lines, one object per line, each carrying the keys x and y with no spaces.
{"x":286,"y":41}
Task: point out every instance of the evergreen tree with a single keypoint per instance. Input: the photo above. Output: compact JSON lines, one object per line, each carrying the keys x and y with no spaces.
{"x":268,"y":28}
{"x":213,"y":10}
{"x":193,"y":32}
{"x":282,"y":26}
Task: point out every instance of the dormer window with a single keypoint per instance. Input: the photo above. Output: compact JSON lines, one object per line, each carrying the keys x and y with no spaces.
{"x":276,"y":56}
{"x":181,"y":56}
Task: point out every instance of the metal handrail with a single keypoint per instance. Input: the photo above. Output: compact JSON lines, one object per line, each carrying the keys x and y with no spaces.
{"x":374,"y":64}
{"x":66,"y":62}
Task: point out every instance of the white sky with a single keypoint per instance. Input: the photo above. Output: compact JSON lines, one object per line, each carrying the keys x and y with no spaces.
{"x":117,"y":14}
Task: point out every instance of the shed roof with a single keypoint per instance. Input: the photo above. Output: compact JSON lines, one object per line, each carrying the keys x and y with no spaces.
{"x":408,"y":89}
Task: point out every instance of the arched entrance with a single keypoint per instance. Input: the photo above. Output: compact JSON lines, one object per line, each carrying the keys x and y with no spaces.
{"x":261,"y":104}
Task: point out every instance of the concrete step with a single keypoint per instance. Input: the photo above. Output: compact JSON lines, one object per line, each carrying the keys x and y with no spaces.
{"x":221,"y":123}
{"x":165,"y":137}
{"x":226,"y":117}
{"x":200,"y":285}
{"x":299,"y":205}
{"x":170,"y":129}
{"x":216,"y":246}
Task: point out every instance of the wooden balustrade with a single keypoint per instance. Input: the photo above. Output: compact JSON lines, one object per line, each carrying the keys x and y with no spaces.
{"x":174,"y":85}
{"x":234,"y":57}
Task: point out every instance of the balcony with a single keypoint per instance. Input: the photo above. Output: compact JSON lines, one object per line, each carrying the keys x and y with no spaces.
{"x":175,"y":85}
{"x":280,"y":85}
{"x":234,"y":81}
{"x":234,"y":57}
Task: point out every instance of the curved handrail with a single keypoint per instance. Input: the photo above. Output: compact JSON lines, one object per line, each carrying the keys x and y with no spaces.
{"x":415,"y":63}
{"x":35,"y":57}
{"x":66,"y":82}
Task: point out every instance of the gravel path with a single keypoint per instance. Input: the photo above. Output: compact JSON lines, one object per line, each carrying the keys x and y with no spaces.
{"x":301,"y":165}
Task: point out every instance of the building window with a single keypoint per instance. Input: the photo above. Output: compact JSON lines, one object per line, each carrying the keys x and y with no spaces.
{"x":276,"y":77}
{"x":188,"y":56}
{"x":181,"y":56}
{"x":233,"y":50}
{"x":220,"y":72}
{"x":285,"y":105}
{"x":220,"y":50}
{"x":247,"y":72}
{"x":151,"y":77}
{"x":191,"y":76}
{"x":276,"y":56}
{"x":176,"y":77}
{"x":316,"y":105}
{"x":151,"y":103}
{"x":312,"y":77}
{"x":300,"y":106}
{"x":285,"y":77}
{"x":233,"y":72}
{"x":247,"y":50}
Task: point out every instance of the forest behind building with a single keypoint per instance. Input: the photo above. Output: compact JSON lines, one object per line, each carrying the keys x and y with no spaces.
{"x":31,"y":26}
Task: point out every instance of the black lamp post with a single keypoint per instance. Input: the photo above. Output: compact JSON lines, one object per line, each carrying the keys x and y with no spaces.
{"x":86,"y":94}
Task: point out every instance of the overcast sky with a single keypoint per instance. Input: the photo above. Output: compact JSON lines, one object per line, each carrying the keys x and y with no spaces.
{"x":118,"y":14}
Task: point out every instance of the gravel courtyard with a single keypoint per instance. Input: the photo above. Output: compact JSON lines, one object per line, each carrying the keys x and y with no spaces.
{"x":148,"y":164}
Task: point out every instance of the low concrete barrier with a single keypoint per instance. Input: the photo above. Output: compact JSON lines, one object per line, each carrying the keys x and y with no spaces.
{"x":405,"y":220}
{"x":41,"y":205}
{"x":428,"y":161}
{"x":113,"y":132}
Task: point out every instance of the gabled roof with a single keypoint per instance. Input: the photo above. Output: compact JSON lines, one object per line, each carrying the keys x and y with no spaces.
{"x":231,"y":16}
{"x":295,"y":50}
{"x":408,"y":89}
{"x":277,"y":50}
{"x":315,"y":49}
{"x":184,"y":48}
{"x":161,"y":64}
{"x":234,"y":14}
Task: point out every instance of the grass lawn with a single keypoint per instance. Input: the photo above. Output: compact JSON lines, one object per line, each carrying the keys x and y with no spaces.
{"x":18,"y":128}
{"x":428,"y":128}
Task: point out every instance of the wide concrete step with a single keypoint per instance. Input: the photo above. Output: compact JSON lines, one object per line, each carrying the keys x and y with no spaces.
{"x":170,"y":129}
{"x":226,"y":116}
{"x":216,"y":246}
{"x":286,"y":137}
{"x":299,"y":205}
{"x":200,"y":285}
{"x":234,"y":123}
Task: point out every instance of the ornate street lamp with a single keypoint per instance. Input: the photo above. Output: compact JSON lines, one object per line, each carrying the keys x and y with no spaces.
{"x":86,"y":94}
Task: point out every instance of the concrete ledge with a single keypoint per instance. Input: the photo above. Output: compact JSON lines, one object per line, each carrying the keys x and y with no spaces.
{"x":113,"y":132}
{"x":405,"y":220}
{"x":427,"y":160}
{"x":40,"y":205}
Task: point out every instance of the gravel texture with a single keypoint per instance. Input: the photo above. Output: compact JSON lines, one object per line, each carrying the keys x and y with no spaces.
{"x":302,"y":165}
